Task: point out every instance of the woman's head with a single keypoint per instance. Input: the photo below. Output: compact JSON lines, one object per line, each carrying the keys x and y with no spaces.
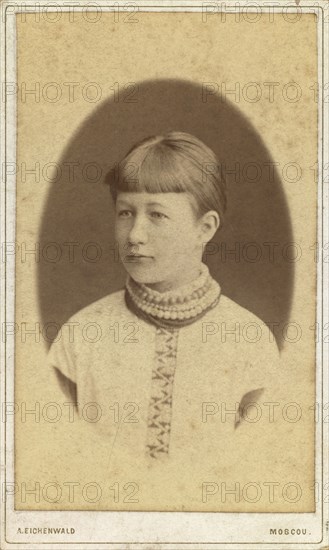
{"x":170,"y":200}
{"x":176,"y":162}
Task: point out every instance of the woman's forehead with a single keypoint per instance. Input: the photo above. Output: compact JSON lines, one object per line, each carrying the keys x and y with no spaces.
{"x":170,"y":199}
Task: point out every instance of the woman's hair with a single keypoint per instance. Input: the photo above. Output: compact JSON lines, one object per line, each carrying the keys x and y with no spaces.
{"x":174,"y":163}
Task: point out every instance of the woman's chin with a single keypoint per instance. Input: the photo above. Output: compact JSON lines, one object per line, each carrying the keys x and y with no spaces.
{"x":143,"y":275}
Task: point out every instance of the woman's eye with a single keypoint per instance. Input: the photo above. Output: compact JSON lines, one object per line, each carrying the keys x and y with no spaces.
{"x":158,"y":215}
{"x":124,"y":213}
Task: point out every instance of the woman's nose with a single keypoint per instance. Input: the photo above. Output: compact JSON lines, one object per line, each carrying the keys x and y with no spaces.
{"x":138,"y":232}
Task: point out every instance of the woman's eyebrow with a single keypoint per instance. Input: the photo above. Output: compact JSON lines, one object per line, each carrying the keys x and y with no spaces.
{"x":123,"y":202}
{"x":157,"y":204}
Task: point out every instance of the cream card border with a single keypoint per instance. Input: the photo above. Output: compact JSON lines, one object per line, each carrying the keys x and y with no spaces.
{"x":141,"y":530}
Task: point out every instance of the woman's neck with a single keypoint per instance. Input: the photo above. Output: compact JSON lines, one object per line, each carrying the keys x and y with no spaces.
{"x":175,"y":284}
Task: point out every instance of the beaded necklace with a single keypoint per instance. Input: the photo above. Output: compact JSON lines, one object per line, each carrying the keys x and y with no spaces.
{"x":174,"y":308}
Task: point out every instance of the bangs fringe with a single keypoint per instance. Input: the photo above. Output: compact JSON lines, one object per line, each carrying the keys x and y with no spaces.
{"x":157,"y":170}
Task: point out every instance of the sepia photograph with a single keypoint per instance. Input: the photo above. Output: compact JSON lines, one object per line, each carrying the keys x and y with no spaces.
{"x":164,"y":275}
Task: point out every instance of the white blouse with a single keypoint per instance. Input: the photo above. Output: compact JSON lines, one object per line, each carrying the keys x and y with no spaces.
{"x":194,"y":399}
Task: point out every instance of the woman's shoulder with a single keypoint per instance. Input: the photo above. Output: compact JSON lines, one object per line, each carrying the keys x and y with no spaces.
{"x":239,"y":324}
{"x":105,"y":307}
{"x":229,"y":309}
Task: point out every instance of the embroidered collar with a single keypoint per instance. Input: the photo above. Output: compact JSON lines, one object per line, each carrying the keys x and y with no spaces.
{"x":174,"y":308}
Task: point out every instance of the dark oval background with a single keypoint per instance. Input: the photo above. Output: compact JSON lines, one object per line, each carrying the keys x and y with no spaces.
{"x":79,"y":211}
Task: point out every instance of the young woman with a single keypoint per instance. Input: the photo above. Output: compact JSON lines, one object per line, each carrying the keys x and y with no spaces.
{"x":172,"y":369}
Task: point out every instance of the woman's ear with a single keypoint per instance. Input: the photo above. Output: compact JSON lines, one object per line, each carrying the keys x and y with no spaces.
{"x":209,"y":223}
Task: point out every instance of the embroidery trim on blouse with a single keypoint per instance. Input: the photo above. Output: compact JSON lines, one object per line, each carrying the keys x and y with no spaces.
{"x":160,"y":406}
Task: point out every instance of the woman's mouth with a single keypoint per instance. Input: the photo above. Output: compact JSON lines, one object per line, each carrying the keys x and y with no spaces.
{"x":136,"y":257}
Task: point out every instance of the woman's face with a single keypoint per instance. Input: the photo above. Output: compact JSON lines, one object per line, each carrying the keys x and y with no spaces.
{"x":159,"y":238}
